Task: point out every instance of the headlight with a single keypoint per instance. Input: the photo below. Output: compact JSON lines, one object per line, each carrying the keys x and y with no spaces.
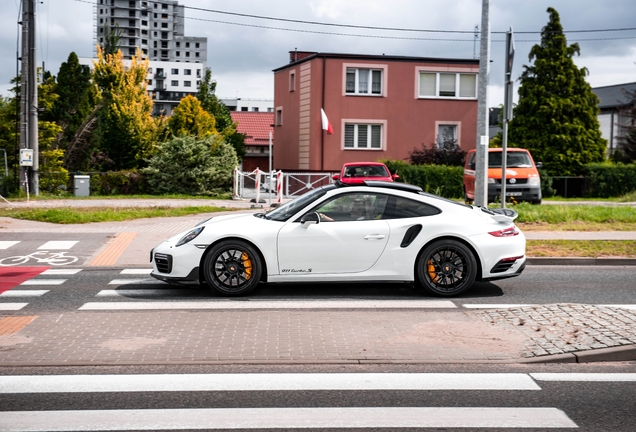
{"x":191,"y":235}
{"x":534,"y":180}
{"x":491,"y":180}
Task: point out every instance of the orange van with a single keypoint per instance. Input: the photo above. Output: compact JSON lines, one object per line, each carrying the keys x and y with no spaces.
{"x":522,"y":178}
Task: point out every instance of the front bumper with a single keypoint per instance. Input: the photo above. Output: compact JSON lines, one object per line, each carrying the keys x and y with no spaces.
{"x":176,"y":264}
{"x":522,"y":192}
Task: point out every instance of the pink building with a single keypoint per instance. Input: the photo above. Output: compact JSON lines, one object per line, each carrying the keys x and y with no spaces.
{"x":380,"y":107}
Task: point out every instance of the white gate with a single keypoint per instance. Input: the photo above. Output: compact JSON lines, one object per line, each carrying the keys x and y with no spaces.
{"x":258,"y":185}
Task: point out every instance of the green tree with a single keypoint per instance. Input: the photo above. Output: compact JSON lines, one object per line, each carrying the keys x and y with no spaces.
{"x":191,"y":165}
{"x":224,"y":123}
{"x":73,"y":104}
{"x":556,"y":115}
{"x":189,"y":118}
{"x":112,"y":39}
{"x":126,"y":129}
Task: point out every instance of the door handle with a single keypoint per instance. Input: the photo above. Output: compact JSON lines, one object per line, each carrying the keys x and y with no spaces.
{"x":374,"y":237}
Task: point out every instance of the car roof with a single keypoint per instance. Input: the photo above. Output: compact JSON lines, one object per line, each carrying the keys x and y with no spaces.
{"x":383,"y":184}
{"x":362,"y":163}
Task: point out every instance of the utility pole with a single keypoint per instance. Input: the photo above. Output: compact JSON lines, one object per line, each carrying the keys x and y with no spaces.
{"x":481,"y":152}
{"x":29,"y":97}
{"x":507,"y":114}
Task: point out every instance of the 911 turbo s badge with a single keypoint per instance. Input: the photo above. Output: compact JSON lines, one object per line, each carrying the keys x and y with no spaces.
{"x":296,"y":270}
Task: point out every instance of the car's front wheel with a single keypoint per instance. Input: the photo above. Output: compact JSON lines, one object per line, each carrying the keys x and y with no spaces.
{"x":232,"y":268}
{"x":446,"y":268}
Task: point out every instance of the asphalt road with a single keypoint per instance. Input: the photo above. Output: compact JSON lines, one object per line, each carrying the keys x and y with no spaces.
{"x":596,"y":397}
{"x":61,"y":293}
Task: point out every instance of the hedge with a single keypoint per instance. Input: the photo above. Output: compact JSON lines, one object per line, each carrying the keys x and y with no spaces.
{"x":119,"y":183}
{"x":442,"y":180}
{"x":610,"y":179}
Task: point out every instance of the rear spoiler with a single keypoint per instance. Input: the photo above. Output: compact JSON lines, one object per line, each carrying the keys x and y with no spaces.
{"x":501,"y":214}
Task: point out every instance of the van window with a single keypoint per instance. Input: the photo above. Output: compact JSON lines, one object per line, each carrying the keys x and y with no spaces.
{"x":515,"y":160}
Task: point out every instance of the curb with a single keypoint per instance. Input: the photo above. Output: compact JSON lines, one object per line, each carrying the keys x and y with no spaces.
{"x":575,"y":261}
{"x":614,"y":354}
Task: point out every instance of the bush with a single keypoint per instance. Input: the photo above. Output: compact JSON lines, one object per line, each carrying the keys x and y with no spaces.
{"x":190,"y":165}
{"x":119,"y":183}
{"x":442,"y":180}
{"x":610,"y":179}
{"x":435,"y":155}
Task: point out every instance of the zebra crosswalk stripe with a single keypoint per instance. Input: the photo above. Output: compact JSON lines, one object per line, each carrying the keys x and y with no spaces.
{"x":23,"y":293}
{"x":285,"y":418}
{"x":265,"y":382}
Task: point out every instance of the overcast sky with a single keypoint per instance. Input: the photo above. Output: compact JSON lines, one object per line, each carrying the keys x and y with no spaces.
{"x":242,"y":51}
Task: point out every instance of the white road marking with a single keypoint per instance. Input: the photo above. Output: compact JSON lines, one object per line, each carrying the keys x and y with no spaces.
{"x":44,"y":282}
{"x":23,"y":293}
{"x":585,"y":377}
{"x":128,"y":281}
{"x":264,"y":382}
{"x":272,"y":304}
{"x":12,"y":306}
{"x":61,"y":271}
{"x":285,"y":418}
{"x":494,"y":306}
{"x":58,"y":245}
{"x":136,"y":271}
{"x":7,"y":244}
{"x":140,"y":292}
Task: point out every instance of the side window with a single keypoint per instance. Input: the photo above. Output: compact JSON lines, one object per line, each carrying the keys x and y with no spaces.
{"x":399,"y":208}
{"x":353,"y":207}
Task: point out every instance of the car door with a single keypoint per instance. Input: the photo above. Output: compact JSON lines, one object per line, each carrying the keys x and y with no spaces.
{"x":342,"y":242}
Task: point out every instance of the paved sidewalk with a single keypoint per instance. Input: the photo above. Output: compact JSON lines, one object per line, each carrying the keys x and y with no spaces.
{"x":563,"y":333}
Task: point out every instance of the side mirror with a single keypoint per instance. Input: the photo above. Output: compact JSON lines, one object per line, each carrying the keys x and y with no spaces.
{"x":310,"y":219}
{"x":539,"y":164}
{"x":395,"y":176}
{"x":336,"y":176}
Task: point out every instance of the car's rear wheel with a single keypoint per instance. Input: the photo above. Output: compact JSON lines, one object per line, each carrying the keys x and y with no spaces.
{"x":446,"y":268}
{"x":232,"y":268}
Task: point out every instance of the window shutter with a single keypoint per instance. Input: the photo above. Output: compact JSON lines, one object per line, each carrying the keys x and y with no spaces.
{"x":363,"y":133}
{"x":376,"y":136}
{"x":427,"y":84}
{"x":447,"y":84}
{"x":467,"y":85}
{"x":349,"y":133}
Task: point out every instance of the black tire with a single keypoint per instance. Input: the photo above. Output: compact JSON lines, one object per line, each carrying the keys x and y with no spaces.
{"x":232,"y":268}
{"x":446,"y":268}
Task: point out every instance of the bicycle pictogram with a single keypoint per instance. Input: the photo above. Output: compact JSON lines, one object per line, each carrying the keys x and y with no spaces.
{"x":52,"y":258}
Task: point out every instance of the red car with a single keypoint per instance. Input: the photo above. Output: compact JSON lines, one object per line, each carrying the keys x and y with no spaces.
{"x":357,"y":172}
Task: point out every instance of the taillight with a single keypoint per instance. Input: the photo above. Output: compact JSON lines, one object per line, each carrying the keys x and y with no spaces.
{"x":508,"y":232}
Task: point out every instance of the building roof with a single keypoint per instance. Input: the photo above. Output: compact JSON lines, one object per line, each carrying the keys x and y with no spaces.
{"x":255,"y":125}
{"x":297,"y":57}
{"x":614,"y":95}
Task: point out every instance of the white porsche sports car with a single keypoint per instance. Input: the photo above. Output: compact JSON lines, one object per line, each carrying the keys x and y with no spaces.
{"x":377,"y":231}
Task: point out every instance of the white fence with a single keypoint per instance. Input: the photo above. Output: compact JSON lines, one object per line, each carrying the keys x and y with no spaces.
{"x":276,"y":186}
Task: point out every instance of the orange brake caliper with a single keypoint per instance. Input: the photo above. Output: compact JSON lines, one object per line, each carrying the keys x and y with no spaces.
{"x":431,"y":270}
{"x":247,"y":265}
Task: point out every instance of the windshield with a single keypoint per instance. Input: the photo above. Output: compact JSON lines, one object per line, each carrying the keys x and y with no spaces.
{"x":289,"y":209}
{"x":366,"y":171}
{"x":515,"y":159}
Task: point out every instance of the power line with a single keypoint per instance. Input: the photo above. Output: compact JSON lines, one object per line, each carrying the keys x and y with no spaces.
{"x":385,"y":37}
{"x":296,"y":21}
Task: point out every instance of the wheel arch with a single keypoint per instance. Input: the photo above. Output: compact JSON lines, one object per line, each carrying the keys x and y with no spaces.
{"x":479,"y":275}
{"x":240,"y":239}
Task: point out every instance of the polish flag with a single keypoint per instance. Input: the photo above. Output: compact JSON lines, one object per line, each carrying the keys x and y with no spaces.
{"x":325,"y":122}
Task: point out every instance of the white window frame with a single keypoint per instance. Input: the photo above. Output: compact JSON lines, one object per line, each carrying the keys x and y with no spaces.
{"x":458,"y":129}
{"x":357,"y":123}
{"x":455,"y":71}
{"x":356,"y":67}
